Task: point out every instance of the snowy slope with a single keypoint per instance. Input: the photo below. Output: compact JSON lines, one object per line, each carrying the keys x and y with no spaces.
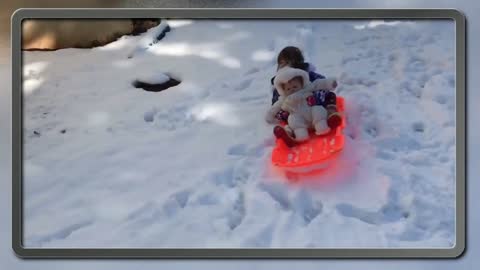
{"x":189,"y":167}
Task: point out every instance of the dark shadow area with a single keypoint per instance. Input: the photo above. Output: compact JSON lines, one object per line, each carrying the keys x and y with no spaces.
{"x":163,"y":33}
{"x":156,"y":87}
{"x":142,"y":25}
{"x":54,"y":34}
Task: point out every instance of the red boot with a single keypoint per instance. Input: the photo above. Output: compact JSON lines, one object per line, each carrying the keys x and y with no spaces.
{"x":334,"y":119}
{"x":282,"y":134}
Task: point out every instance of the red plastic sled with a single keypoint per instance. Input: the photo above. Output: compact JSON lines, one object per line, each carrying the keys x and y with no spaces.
{"x":314,"y":153}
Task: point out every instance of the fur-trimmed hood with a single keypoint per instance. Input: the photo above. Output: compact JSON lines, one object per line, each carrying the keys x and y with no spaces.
{"x":285,"y":74}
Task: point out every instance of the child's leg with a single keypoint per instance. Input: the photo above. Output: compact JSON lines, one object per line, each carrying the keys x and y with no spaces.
{"x":334,"y":119}
{"x":283,"y":135}
{"x":299,"y":126}
{"x":301,"y":134}
{"x":289,"y":131}
{"x":319,"y":116}
{"x":322,"y":128}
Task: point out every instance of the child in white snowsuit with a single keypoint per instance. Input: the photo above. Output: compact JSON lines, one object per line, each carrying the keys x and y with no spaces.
{"x":294,"y":88}
{"x":293,"y":57}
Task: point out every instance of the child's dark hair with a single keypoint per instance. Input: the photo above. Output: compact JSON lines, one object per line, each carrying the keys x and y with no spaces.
{"x":293,"y":56}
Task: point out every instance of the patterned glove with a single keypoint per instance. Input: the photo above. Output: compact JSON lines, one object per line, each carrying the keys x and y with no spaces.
{"x":311,"y":100}
{"x":282,"y":115}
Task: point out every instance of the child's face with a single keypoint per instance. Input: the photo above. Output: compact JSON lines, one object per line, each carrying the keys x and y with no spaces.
{"x":293,"y":86}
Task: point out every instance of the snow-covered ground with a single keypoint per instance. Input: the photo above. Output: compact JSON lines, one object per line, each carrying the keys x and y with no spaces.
{"x":110,"y":165}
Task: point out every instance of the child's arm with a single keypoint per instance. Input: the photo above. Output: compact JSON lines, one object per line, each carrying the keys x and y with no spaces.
{"x":272,"y":112}
{"x":315,"y":76}
{"x":325,"y":84}
{"x":293,"y":101}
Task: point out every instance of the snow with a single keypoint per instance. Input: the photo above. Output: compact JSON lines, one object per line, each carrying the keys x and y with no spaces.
{"x":189,"y":166}
{"x":153,"y":78}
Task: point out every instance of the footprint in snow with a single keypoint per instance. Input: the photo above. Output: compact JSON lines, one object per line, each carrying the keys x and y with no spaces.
{"x":60,"y":234}
{"x":418,"y":127}
{"x":182,"y":197}
{"x":305,"y":206}
{"x":237,"y":150}
{"x":244,"y":84}
{"x":388,"y":213}
{"x":244,"y":150}
{"x":237,"y":213}
{"x":385,"y":155}
{"x":233,"y":175}
{"x":252,"y":71}
{"x":348,"y":59}
{"x":261,"y":98}
{"x":206,"y":199}
{"x":278,"y":193}
{"x":149,"y":115}
{"x":171,"y":119}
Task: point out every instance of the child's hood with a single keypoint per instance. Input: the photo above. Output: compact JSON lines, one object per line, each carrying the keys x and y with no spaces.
{"x":308,"y":67}
{"x":285,"y":74}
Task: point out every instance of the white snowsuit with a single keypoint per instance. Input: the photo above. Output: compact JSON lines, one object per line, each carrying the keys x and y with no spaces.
{"x":302,"y":115}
